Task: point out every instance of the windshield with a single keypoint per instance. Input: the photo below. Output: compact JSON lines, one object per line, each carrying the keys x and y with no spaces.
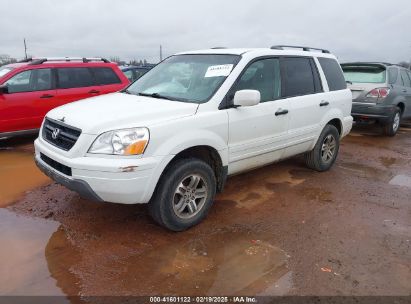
{"x":4,"y":70}
{"x":370,"y":74}
{"x":188,"y":78}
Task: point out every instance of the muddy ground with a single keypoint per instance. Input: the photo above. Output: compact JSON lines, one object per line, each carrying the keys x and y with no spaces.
{"x":279,"y":230}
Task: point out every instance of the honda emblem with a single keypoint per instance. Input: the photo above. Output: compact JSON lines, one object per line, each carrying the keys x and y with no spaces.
{"x":55,"y":133}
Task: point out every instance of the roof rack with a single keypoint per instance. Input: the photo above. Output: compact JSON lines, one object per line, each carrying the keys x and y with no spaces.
{"x":35,"y":61}
{"x":25,"y":60}
{"x":305,"y":48}
{"x":370,"y":62}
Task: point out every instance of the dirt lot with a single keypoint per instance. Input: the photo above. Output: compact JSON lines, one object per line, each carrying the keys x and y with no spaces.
{"x":282,"y":229}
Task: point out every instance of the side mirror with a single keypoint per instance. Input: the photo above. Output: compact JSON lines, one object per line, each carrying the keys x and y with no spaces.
{"x":247,"y":98}
{"x":4,"y":89}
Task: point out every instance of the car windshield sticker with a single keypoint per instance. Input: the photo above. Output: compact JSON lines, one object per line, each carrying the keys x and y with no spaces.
{"x":219,"y":70}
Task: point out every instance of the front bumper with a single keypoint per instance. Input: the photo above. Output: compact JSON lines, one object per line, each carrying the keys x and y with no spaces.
{"x":125,"y":180}
{"x":76,"y":185}
{"x":369,"y":111}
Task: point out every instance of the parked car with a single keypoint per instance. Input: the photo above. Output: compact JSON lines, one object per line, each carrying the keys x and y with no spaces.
{"x":29,"y":89}
{"x":133,"y":72}
{"x":381,"y":93}
{"x":172,"y":143}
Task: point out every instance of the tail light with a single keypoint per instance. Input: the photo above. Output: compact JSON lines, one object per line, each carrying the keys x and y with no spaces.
{"x":379,"y":93}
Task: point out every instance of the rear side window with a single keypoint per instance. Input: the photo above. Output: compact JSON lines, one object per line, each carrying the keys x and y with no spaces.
{"x":263,"y":76}
{"x":333,"y":74}
{"x":105,"y":76}
{"x":392,"y":75}
{"x":74,"y":78}
{"x":405,"y":79}
{"x":300,"y":77}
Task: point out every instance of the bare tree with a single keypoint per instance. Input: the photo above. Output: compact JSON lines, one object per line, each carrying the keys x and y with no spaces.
{"x":6,"y":59}
{"x":115,"y":59}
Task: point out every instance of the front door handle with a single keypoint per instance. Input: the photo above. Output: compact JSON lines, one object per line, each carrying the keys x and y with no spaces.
{"x":404,"y":91}
{"x":324,"y":103}
{"x":94,"y":92}
{"x":46,"y":96}
{"x":281,"y":112}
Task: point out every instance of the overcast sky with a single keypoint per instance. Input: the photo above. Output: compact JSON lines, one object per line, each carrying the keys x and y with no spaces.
{"x":351,"y":29}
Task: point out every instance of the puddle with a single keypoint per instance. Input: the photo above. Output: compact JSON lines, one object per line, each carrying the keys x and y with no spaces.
{"x":264,"y":183}
{"x":18,"y":174}
{"x":316,"y":194}
{"x":366,"y":171}
{"x":220,"y":263}
{"x":388,"y":161}
{"x":401,"y":180}
{"x":23,"y":265}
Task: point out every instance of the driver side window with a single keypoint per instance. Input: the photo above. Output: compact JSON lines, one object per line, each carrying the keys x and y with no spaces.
{"x":29,"y":81}
{"x":263,"y":76}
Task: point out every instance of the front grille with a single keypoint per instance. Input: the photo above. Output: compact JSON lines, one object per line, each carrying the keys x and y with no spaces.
{"x":59,"y":134}
{"x":56,"y":165}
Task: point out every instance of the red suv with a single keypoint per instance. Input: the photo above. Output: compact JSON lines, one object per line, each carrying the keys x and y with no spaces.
{"x":29,"y":89}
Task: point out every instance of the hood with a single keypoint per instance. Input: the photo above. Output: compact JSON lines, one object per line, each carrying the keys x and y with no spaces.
{"x":116,"y":111}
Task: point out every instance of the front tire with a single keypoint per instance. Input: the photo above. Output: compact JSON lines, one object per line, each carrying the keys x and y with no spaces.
{"x":391,"y":128}
{"x":325,"y":151}
{"x":183,"y":195}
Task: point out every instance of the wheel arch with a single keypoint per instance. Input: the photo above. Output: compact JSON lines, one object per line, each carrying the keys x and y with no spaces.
{"x":209,"y":155}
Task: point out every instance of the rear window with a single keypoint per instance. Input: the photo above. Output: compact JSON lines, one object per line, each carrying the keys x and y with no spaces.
{"x":333,"y":74}
{"x":364,"y":74}
{"x":105,"y":76}
{"x":74,"y":78}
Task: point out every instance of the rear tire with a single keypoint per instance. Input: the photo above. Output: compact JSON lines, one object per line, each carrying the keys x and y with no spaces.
{"x":325,"y":151}
{"x":391,"y":128}
{"x":183,"y":195}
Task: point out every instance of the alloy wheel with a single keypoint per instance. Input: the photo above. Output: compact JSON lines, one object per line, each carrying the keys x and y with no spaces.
{"x":190,"y":196}
{"x":328,"y":148}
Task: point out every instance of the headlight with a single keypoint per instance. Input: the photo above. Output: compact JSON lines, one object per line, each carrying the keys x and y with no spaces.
{"x":121,"y":142}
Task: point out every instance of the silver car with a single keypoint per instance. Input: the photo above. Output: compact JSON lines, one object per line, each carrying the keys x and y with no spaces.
{"x":381,"y":93}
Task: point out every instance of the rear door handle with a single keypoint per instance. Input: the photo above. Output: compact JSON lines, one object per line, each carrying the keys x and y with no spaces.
{"x":46,"y":96}
{"x":281,"y":112}
{"x":404,"y":91}
{"x":94,"y":92}
{"x":324,"y":103}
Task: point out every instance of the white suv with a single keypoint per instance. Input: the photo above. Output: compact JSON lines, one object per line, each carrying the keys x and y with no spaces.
{"x":172,"y":137}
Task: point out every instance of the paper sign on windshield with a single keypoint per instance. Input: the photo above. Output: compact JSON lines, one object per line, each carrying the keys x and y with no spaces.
{"x":219,"y":70}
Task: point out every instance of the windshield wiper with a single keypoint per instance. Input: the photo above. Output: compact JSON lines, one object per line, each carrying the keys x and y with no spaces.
{"x":156,"y":95}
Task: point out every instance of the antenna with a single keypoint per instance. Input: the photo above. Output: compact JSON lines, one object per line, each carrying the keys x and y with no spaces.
{"x":25,"y":49}
{"x":161,"y":53}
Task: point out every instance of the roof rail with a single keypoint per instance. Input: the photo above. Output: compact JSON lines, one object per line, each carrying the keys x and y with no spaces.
{"x":368,"y":62}
{"x":25,"y":60}
{"x":218,"y":47}
{"x":305,"y":48}
{"x":35,"y":61}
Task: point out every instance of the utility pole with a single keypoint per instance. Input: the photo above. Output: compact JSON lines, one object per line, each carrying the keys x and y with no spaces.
{"x":161,"y":53}
{"x":25,"y":49}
